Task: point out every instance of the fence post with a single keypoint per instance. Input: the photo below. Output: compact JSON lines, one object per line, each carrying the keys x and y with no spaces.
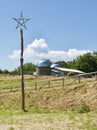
{"x":35,"y":86}
{"x":49,"y":84}
{"x":63,"y":83}
{"x":79,"y":79}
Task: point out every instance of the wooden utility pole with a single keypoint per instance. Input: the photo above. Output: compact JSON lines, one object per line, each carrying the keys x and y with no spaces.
{"x":22,"y":73}
{"x":21,"y":23}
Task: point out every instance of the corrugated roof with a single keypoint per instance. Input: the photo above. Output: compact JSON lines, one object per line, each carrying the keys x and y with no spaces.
{"x":55,"y":65}
{"x":69,"y":70}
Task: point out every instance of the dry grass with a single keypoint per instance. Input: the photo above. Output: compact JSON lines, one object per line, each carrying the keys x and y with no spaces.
{"x":71,"y":96}
{"x":72,"y":107}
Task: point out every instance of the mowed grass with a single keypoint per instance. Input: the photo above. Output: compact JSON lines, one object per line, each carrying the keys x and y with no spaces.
{"x":69,"y":107}
{"x":42,"y":120}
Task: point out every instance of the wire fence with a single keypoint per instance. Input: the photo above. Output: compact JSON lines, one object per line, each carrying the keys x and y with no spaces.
{"x":63,"y":81}
{"x":15,"y":86}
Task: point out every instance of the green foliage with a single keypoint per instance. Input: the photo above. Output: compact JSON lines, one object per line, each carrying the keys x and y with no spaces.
{"x":71,"y":64}
{"x":1,"y":71}
{"x":11,"y":128}
{"x":87,"y":62}
{"x":70,"y":74}
{"x":84,"y":108}
{"x":4,"y":71}
{"x":62,"y":64}
{"x":15,"y":71}
{"x":28,"y":68}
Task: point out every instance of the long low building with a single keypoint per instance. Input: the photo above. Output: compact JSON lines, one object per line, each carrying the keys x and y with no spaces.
{"x":45,"y":67}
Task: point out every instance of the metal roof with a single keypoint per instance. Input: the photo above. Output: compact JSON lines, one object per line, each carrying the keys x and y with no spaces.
{"x":69,"y":70}
{"x":55,"y":65}
{"x":44,"y":63}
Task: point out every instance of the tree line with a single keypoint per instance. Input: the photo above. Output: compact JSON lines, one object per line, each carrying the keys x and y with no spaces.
{"x":86,"y":63}
{"x":28,"y":68}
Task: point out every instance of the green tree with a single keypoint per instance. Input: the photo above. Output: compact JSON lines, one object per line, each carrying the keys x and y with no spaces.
{"x":62,"y":64}
{"x":86,"y":62}
{"x":71,"y":64}
{"x":1,"y":71}
{"x":15,"y":71}
{"x":5,"y":71}
{"x":28,"y":68}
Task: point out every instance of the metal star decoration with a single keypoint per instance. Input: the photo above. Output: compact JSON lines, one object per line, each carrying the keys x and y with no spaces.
{"x":21,"y":21}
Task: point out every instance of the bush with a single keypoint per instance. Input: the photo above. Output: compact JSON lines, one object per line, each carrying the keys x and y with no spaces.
{"x":83,"y":108}
{"x":70,"y":74}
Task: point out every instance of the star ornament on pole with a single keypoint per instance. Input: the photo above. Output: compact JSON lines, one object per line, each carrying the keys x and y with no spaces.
{"x":21,"y":21}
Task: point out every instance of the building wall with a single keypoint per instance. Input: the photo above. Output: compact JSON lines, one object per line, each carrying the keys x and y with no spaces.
{"x":43,"y":71}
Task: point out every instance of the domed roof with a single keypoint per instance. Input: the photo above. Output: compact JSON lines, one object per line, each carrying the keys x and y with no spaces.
{"x":55,"y":65}
{"x":44,"y":63}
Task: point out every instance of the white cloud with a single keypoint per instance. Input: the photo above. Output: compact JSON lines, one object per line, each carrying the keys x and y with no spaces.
{"x":38,"y":50}
{"x":15,"y":54}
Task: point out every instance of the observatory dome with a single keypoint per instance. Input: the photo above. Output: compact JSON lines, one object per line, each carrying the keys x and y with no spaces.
{"x":44,"y":63}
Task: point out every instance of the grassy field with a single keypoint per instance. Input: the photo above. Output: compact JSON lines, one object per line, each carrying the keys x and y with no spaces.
{"x":42,"y":120}
{"x":69,"y":107}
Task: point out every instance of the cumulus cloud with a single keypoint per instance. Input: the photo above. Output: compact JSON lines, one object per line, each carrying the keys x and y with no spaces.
{"x":38,"y":50}
{"x":15,"y":54}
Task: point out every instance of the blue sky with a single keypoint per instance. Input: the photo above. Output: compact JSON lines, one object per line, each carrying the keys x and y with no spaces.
{"x":58,"y":30}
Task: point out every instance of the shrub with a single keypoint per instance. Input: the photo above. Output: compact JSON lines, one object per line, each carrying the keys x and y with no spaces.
{"x":83,"y":108}
{"x":70,"y":74}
